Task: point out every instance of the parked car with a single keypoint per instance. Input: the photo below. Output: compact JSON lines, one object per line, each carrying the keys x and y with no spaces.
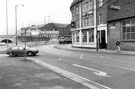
{"x":20,"y":50}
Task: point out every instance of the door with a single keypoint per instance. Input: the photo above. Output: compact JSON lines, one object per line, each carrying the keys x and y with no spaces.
{"x":102,"y":39}
{"x":21,"y":50}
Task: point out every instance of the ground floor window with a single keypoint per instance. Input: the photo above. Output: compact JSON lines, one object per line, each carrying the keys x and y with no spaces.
{"x":91,"y":36}
{"x":77,"y":36}
{"x":84,"y":36}
{"x":73,"y":36}
{"x":128,"y":29}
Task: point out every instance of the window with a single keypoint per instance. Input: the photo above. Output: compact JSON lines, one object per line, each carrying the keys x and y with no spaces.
{"x":91,"y":21}
{"x":77,"y":10}
{"x":84,"y":36}
{"x":77,"y":36}
{"x":100,"y":18}
{"x":91,"y":36}
{"x":14,"y":48}
{"x":128,"y":29}
{"x":87,"y":5}
{"x":73,"y":37}
{"x":100,"y":3}
{"x":87,"y":21}
{"x":90,"y":5}
{"x":77,"y":24}
{"x":84,"y":6}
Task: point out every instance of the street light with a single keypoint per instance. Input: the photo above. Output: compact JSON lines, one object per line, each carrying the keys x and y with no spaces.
{"x":7,"y":20}
{"x":16,"y":19}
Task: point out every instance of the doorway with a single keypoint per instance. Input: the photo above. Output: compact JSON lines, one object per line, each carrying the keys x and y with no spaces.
{"x":102,"y":39}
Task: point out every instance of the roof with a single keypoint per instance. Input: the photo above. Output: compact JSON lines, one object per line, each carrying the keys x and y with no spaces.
{"x":75,"y":2}
{"x":59,"y":25}
{"x":126,"y":9}
{"x":53,"y":26}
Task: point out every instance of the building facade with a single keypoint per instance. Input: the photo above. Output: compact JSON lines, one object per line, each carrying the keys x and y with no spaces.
{"x":88,"y":22}
{"x":61,"y":29}
{"x":100,"y":23}
{"x":121,"y":24}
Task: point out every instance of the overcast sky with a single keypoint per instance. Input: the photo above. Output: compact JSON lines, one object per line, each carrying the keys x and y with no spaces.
{"x":34,"y":12}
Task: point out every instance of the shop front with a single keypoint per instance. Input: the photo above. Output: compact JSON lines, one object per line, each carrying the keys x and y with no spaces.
{"x":84,"y":38}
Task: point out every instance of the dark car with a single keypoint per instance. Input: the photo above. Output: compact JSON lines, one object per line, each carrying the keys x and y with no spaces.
{"x":20,"y":50}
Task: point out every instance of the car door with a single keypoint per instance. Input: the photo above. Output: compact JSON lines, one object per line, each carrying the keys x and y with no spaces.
{"x":15,"y":50}
{"x":21,"y":50}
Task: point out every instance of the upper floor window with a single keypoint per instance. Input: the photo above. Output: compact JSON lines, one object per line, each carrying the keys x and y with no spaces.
{"x":73,"y":12}
{"x":83,"y":6}
{"x":77,"y":10}
{"x":90,"y":5}
{"x":87,"y":5}
{"x":100,"y":18}
{"x":100,"y":3}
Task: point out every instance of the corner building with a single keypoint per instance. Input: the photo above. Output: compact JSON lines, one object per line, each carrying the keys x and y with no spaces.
{"x":85,"y":19}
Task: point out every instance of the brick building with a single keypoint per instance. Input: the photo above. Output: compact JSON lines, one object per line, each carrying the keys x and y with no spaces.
{"x":121,"y":24}
{"x":61,"y":29}
{"x":114,"y":20}
{"x":90,"y":19}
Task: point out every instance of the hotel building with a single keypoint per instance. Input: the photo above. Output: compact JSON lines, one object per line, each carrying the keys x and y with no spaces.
{"x":88,"y":23}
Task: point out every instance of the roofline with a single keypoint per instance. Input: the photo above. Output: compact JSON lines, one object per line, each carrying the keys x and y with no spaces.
{"x":74,"y":3}
{"x":119,"y":18}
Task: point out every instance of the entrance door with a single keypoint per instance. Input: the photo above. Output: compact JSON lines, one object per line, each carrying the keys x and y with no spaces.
{"x":102,"y":39}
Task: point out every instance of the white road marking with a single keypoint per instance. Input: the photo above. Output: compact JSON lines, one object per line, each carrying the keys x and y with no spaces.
{"x":125,"y":68}
{"x":97,"y":72}
{"x":67,"y":73}
{"x":81,"y":57}
{"x":103,"y":57}
{"x":61,"y":58}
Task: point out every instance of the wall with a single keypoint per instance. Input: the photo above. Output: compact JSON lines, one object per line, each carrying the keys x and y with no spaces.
{"x":114,"y":32}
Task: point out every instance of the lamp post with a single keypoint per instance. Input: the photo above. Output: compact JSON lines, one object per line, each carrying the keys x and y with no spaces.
{"x":16,"y":19}
{"x":7,"y":20}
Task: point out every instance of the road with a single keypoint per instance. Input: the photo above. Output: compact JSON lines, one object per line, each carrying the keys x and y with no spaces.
{"x":107,"y":70}
{"x":15,"y":73}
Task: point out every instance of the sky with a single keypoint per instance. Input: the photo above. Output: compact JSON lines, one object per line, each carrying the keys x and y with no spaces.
{"x":34,"y":12}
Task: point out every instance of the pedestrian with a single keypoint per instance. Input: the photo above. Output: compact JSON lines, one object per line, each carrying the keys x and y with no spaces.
{"x":118,"y":44}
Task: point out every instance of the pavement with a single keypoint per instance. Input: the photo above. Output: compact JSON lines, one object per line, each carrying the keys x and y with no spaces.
{"x":15,"y":73}
{"x":70,"y":47}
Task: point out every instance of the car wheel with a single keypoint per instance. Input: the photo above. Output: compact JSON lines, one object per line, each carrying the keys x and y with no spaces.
{"x":30,"y":53}
{"x":34,"y":54}
{"x":10,"y":54}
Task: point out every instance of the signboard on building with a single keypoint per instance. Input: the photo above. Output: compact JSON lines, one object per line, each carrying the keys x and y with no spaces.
{"x":115,"y":7}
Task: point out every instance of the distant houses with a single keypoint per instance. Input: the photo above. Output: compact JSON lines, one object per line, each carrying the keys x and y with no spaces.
{"x":45,"y":32}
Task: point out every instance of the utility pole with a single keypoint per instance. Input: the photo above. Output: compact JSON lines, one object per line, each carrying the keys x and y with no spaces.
{"x":96,"y":28}
{"x":25,"y":45}
{"x":45,"y":20}
{"x":7,"y":20}
{"x":16,"y":19}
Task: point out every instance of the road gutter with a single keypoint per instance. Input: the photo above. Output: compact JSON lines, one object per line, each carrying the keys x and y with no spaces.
{"x":86,"y":82}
